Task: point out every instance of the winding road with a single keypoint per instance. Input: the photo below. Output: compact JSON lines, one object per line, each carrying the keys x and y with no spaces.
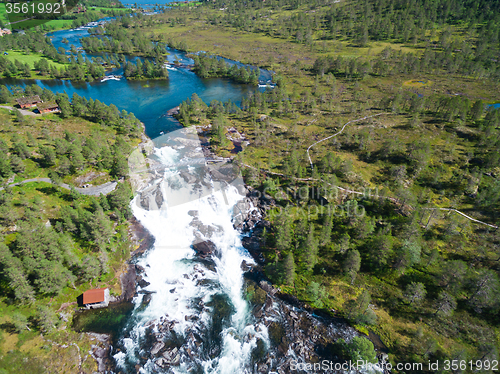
{"x":23,"y":112}
{"x":104,"y":188}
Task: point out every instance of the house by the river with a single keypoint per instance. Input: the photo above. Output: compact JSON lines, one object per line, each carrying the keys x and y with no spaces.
{"x":96,"y":298}
{"x":48,"y":107}
{"x":28,"y":102}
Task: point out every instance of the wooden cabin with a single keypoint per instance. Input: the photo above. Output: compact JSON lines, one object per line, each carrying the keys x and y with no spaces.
{"x":96,"y":298}
{"x":48,"y":107}
{"x":29,"y":102}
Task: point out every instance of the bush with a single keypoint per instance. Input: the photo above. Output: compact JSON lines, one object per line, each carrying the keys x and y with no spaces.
{"x":359,"y":348}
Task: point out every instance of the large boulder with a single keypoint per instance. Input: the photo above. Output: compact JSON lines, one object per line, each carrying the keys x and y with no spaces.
{"x":204,"y":249}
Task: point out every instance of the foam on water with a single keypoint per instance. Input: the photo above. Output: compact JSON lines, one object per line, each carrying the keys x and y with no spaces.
{"x":174,"y":273}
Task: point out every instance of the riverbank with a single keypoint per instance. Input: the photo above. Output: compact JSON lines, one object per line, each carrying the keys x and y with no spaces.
{"x":38,"y":175}
{"x":313,"y":334}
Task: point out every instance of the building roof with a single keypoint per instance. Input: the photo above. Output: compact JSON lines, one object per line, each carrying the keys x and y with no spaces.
{"x":47,"y":105}
{"x":29,"y":100}
{"x":94,"y":296}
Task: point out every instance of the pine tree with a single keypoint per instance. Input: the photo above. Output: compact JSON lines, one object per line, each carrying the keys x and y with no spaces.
{"x":5,"y":95}
{"x":289,"y":269}
{"x":284,"y":233}
{"x":445,"y":304}
{"x":352,"y":264}
{"x":310,"y":255}
{"x":326,"y":229}
{"x":415,"y":292}
{"x":477,"y":110}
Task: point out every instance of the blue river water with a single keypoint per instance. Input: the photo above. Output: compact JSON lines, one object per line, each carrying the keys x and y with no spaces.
{"x":148,"y":100}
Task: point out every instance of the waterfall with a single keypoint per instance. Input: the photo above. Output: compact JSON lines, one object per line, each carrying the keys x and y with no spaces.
{"x":193,"y":316}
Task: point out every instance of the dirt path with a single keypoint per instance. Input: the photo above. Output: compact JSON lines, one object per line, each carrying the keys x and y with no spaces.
{"x":392,"y":199}
{"x":23,"y":112}
{"x":338,"y":133}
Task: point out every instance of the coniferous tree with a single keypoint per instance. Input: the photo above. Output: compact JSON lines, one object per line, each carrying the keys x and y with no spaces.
{"x":5,"y":95}
{"x":310,"y":255}
{"x":352,"y":264}
{"x":415,"y":292}
{"x":289,"y":269}
{"x":445,"y":304}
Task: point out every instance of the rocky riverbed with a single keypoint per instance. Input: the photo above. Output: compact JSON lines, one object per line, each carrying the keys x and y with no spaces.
{"x":296,"y":332}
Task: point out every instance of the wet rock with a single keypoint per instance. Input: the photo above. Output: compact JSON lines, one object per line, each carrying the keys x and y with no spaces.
{"x":161,"y":362}
{"x":145,"y":292}
{"x":151,"y":197}
{"x":245,"y":266}
{"x":146,"y":299}
{"x":143,"y":283}
{"x":204,"y":249}
{"x":157,"y":348}
{"x":204,"y":231}
{"x":266,"y":286}
{"x":251,"y":243}
{"x":269,"y":304}
{"x":262,"y":368}
{"x":263,"y":223}
{"x":139,"y":269}
{"x":189,"y":178}
{"x":128,"y":283}
{"x":257,"y":312}
{"x":168,"y":354}
{"x":177,"y":360}
{"x":101,"y":356}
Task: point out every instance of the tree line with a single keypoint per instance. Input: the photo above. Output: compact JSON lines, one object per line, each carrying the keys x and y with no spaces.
{"x":207,"y":66}
{"x":115,"y":38}
{"x":71,"y":154}
{"x":145,"y":69}
{"x":411,"y":23}
{"x":50,"y":249}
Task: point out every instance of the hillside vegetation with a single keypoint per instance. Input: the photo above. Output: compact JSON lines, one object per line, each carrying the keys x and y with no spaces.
{"x":387,"y":257}
{"x":56,"y":243}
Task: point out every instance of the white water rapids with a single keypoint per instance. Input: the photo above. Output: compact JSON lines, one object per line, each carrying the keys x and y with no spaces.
{"x":197,"y":306}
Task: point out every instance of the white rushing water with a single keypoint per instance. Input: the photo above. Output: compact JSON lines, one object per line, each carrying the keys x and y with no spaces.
{"x":200,"y":300}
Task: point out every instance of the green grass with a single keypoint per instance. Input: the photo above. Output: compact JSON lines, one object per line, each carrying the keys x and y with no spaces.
{"x":100,"y":9}
{"x":186,"y":4}
{"x":29,"y":59}
{"x":30,"y":343}
{"x":3,"y":14}
{"x":58,"y":24}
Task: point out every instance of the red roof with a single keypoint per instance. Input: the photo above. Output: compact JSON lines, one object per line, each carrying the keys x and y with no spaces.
{"x":93,"y":296}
